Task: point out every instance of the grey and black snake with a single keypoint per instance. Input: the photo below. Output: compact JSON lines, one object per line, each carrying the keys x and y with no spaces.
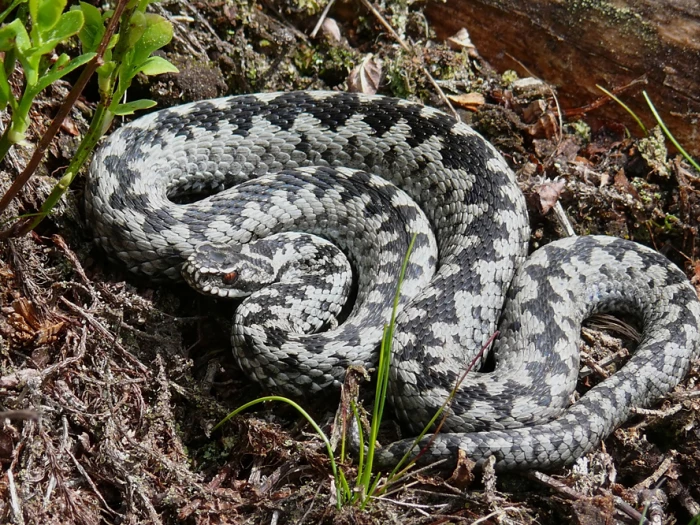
{"x":366,"y":174}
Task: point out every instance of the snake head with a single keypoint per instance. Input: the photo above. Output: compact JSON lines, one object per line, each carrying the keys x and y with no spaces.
{"x":224,"y":270}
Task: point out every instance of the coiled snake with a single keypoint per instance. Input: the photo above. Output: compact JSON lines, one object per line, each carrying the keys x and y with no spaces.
{"x":358,"y":177}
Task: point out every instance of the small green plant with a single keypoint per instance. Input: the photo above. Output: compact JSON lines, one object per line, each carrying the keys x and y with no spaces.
{"x":34,"y":50}
{"x":365,"y":484}
{"x":126,"y":55}
{"x":368,"y":484}
{"x":116,"y":58}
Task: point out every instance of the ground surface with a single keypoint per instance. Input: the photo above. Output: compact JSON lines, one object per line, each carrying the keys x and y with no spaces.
{"x":129,"y":378}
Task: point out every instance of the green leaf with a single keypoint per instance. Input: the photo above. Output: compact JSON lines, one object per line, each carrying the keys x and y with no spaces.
{"x":157,"y":34}
{"x":5,"y":90}
{"x":59,"y":71}
{"x":69,"y":25}
{"x":61,"y":61}
{"x":104,"y":82}
{"x":9,"y":9}
{"x":135,"y":105}
{"x":93,"y":29}
{"x":14,"y":35}
{"x":137,"y":26}
{"x":45,"y":14}
{"x":157,"y":66}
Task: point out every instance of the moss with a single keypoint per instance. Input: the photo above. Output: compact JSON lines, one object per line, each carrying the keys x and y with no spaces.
{"x":653,"y":150}
{"x":509,"y":76}
{"x":581,"y":129}
{"x":400,"y":76}
{"x":626,"y":20}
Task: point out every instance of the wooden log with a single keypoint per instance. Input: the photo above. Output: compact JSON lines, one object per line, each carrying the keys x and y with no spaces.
{"x":576,"y":44}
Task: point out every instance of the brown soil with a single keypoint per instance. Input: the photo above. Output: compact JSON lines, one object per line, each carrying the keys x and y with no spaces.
{"x":111,"y":385}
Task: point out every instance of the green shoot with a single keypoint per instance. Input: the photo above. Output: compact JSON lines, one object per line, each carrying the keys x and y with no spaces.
{"x":669,"y":134}
{"x":339,"y":478}
{"x":626,"y":108}
{"x":365,"y":482}
{"x":661,"y":123}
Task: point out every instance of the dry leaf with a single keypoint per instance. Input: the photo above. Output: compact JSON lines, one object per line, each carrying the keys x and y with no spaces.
{"x":461,"y":40}
{"x":68,"y":125}
{"x":469,"y":101}
{"x":549,"y":194}
{"x":463,"y":474}
{"x":330,"y":30}
{"x":25,"y":309}
{"x":546,"y":126}
{"x":534,"y":110}
{"x":365,"y":77}
{"x":623,"y":184}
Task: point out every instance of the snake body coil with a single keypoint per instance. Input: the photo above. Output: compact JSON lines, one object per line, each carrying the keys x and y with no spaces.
{"x":368,"y":174}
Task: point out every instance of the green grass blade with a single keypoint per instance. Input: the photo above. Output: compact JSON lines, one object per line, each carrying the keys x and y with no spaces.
{"x":383,"y":375}
{"x":669,"y":134}
{"x":361,"y":437}
{"x":626,"y":108}
{"x":339,"y":478}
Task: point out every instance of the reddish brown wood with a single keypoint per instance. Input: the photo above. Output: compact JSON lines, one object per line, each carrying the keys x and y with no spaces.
{"x":576,"y":44}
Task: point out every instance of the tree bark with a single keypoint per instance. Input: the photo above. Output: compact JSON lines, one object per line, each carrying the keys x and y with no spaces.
{"x":576,"y":44}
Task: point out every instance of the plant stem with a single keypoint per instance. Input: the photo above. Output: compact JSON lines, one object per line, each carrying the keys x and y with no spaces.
{"x":5,"y":144}
{"x":86,"y":146}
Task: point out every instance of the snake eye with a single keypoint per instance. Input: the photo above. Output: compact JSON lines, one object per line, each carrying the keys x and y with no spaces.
{"x":230,"y":278}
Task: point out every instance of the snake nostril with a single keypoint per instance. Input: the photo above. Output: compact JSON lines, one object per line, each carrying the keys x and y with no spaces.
{"x":230,"y":278}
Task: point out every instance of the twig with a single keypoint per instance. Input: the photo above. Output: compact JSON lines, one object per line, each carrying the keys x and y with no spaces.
{"x":20,"y":415}
{"x":16,"y":508}
{"x":658,"y":413}
{"x":563,"y":220}
{"x":586,"y":358}
{"x":87,"y":477}
{"x":409,"y":475}
{"x":450,"y":399}
{"x":654,"y":478}
{"x":570,"y":493}
{"x":417,"y":506}
{"x":105,"y":332}
{"x":311,"y":505}
{"x":497,"y":512}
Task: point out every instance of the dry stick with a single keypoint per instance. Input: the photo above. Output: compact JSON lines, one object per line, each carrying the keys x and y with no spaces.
{"x":572,"y":494}
{"x":14,"y":500}
{"x":63,"y":111}
{"x":660,"y":471}
{"x":408,"y":50}
{"x":102,"y":330}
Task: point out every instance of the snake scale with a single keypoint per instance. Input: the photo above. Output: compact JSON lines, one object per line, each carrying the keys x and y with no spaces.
{"x":315,"y":189}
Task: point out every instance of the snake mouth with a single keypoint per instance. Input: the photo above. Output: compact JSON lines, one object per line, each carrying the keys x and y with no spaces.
{"x":212,"y":281}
